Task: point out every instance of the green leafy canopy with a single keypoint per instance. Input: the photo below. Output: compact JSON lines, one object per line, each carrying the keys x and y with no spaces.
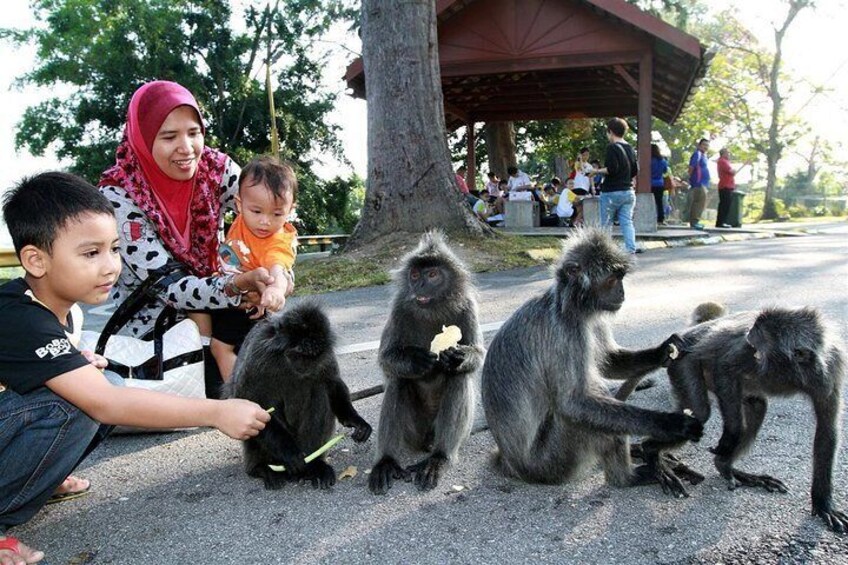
{"x":95,"y":53}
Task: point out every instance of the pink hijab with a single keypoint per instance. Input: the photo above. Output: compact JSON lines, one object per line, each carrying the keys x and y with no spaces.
{"x":184,"y":212}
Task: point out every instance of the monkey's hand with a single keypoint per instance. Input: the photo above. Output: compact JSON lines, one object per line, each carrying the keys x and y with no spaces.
{"x":320,"y":474}
{"x":427,"y":472}
{"x":384,"y":473}
{"x":837,"y":521}
{"x":737,"y":478}
{"x":361,"y":429}
{"x":669,"y":481}
{"x":292,"y":460}
{"x":422,"y":360}
{"x":683,"y":426}
{"x":672,"y":349}
{"x":451,"y":359}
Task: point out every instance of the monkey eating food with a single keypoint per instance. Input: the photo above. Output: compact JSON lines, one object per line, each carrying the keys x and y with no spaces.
{"x":429,"y":400}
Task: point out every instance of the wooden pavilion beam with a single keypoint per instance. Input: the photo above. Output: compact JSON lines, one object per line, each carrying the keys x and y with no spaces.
{"x":598,"y":111}
{"x":455,"y":111}
{"x":539,"y":64}
{"x":622,"y":72}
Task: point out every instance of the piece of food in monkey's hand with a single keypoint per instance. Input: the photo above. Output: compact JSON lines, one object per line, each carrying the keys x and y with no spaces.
{"x":314,"y":455}
{"x":673,"y":352}
{"x":449,"y":337}
{"x":270,"y":410}
{"x":687,"y":411}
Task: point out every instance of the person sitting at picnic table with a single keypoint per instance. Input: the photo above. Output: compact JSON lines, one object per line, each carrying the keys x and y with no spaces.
{"x":493,"y":187}
{"x":170,"y":192}
{"x":518,"y":180}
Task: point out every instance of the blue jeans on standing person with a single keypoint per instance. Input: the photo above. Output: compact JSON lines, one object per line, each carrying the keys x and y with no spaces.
{"x":619,"y":206}
{"x":43,"y":438}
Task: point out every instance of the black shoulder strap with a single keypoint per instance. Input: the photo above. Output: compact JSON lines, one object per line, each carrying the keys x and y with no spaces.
{"x":145,"y":293}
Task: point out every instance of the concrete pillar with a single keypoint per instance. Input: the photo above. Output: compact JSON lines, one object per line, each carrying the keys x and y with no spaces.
{"x":592,"y":212}
{"x":645,"y":213}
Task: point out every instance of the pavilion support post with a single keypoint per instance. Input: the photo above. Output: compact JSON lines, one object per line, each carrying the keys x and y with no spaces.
{"x":471,"y":160}
{"x":645,"y":215}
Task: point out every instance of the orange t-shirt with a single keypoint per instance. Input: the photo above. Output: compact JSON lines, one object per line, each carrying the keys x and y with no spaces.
{"x":245,"y":252}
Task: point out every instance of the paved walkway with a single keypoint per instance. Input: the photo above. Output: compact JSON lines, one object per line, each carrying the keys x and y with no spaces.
{"x":672,"y":236}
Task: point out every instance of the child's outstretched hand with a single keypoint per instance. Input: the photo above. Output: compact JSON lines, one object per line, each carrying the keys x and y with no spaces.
{"x":241,"y":419}
{"x":273,"y":299}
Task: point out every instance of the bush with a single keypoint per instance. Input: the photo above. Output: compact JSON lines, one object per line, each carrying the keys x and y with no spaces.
{"x":799,"y":211}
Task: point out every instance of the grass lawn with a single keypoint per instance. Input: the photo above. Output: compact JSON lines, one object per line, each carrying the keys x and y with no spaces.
{"x":497,"y":253}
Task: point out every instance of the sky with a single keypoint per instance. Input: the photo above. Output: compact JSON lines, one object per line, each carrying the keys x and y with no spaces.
{"x":814,"y":51}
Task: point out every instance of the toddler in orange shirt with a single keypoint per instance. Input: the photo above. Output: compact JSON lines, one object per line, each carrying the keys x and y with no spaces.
{"x":260,"y":236}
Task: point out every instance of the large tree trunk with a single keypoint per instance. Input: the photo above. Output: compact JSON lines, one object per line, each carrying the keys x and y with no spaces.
{"x":410,"y":185}
{"x":500,"y":144}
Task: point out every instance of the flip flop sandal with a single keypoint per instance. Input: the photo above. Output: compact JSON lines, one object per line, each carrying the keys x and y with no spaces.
{"x":70,"y":495}
{"x":12,"y":544}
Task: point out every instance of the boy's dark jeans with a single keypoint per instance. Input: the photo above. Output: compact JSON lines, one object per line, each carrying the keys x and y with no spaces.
{"x":43,"y":438}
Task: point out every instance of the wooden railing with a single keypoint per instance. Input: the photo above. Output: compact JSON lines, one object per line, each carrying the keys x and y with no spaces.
{"x":322,"y":241}
{"x":8,"y":258}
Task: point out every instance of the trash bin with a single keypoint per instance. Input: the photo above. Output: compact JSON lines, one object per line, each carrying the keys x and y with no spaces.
{"x":734,"y":215}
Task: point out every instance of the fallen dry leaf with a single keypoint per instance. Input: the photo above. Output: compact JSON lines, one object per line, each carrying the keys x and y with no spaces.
{"x":348,"y":473}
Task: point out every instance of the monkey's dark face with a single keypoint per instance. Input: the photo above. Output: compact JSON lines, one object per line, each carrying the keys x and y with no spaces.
{"x":609,"y":292}
{"x":428,"y":283}
{"x":305,"y":336}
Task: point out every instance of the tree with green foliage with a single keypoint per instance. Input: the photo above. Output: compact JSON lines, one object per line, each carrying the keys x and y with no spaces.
{"x":95,"y":53}
{"x":759,"y":105}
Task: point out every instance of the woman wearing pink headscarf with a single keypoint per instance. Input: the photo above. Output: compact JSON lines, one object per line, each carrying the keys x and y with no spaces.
{"x":170,"y":192}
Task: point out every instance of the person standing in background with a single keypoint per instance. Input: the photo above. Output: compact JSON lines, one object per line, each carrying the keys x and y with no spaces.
{"x":659,"y":168}
{"x":699,"y":182}
{"x":726,"y":186}
{"x":582,"y":173}
{"x":617,"y":195}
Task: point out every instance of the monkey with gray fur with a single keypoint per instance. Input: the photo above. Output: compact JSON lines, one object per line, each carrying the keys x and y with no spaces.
{"x":546,"y":403}
{"x":287,"y":363}
{"x":429,"y":399}
{"x":743,"y":359}
{"x":703,"y":312}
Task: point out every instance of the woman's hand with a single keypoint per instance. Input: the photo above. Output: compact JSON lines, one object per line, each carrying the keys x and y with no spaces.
{"x":256,"y":280}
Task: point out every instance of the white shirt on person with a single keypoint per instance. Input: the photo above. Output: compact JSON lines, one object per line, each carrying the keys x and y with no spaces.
{"x":581,"y":176}
{"x":519,"y":180}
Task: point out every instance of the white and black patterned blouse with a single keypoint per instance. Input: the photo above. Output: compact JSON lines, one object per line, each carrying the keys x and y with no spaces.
{"x":142,"y":251}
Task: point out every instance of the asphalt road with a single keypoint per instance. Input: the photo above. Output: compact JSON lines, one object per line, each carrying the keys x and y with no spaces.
{"x":183,"y":498}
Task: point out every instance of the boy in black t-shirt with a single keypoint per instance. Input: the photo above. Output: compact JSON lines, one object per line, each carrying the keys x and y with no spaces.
{"x":53,"y":399}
